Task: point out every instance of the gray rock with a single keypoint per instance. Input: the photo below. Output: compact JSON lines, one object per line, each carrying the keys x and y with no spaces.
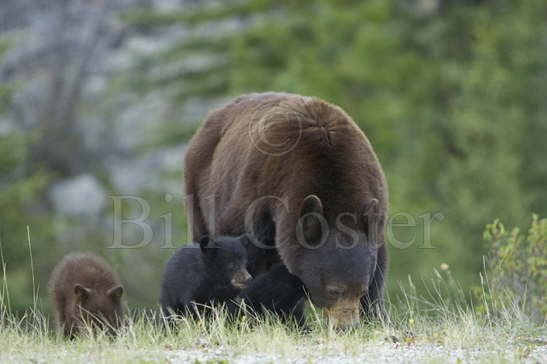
{"x":6,"y":127}
{"x":148,"y":172}
{"x":81,"y":196}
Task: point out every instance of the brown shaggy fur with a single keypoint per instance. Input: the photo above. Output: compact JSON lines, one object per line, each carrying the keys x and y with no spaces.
{"x":84,"y":290}
{"x":286,"y":147}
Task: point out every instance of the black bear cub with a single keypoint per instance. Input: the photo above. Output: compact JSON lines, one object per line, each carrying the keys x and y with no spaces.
{"x":200,"y":275}
{"x":275,"y":291}
{"x":85,"y":292}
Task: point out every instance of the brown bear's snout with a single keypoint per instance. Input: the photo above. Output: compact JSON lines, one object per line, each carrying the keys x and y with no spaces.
{"x":344,"y":314}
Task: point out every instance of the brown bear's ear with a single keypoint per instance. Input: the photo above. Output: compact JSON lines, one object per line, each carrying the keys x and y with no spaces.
{"x":370,"y":216}
{"x":311,"y":204}
{"x":311,"y":223}
{"x":81,"y":292}
{"x":115,"y":293}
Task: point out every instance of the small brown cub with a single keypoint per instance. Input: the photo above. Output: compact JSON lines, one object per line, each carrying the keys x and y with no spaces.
{"x":84,"y":290}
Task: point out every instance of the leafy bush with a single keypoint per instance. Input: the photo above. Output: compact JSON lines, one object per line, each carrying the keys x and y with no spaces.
{"x":516,"y":270}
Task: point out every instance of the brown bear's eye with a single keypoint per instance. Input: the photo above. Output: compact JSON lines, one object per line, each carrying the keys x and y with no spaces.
{"x":334,"y":292}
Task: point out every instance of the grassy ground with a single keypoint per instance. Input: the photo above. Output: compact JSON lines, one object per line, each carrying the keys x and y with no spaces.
{"x":418,"y":330}
{"x":441,"y":327}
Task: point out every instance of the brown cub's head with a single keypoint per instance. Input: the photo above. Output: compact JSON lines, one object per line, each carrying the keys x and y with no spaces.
{"x":97,"y":307}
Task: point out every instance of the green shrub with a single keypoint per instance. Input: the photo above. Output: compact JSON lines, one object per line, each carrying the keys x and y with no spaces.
{"x":516,"y":270}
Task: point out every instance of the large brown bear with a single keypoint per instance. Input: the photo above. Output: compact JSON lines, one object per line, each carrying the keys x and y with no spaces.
{"x":298,"y":175}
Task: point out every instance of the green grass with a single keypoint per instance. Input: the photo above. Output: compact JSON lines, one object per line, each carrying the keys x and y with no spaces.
{"x":437,"y":329}
{"x":443,"y":326}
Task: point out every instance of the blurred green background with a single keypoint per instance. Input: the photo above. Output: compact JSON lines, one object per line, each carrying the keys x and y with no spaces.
{"x":99,"y":99}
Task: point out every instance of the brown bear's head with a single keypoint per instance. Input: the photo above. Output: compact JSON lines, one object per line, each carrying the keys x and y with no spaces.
{"x":335,"y":259}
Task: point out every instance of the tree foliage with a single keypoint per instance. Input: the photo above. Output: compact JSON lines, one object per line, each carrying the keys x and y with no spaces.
{"x":451,"y":98}
{"x":19,"y":187}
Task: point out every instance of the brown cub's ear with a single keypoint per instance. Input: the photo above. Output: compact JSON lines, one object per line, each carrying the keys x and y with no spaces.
{"x":81,"y":292}
{"x":311,"y":221}
{"x":116,"y":292}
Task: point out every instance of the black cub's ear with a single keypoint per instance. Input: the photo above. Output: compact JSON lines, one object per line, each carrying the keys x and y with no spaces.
{"x":245,"y":240}
{"x":206,"y":243}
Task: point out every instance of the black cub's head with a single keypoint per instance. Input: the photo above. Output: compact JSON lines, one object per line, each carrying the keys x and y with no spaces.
{"x":226,"y":258}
